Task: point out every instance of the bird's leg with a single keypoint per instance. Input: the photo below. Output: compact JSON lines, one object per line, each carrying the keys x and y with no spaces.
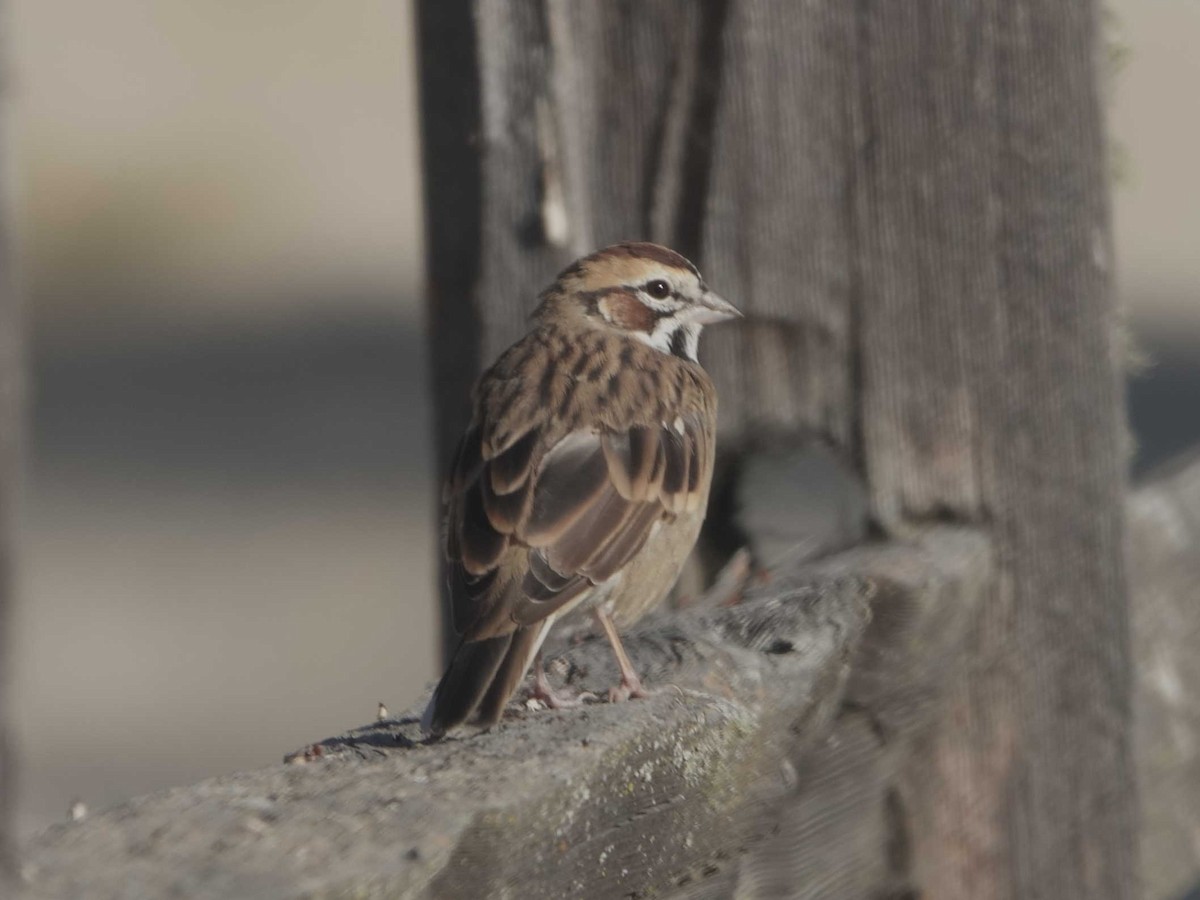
{"x":631,"y":684}
{"x":543,"y":692}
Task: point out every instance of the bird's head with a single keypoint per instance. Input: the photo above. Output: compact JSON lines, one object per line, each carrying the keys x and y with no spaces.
{"x":642,"y":290}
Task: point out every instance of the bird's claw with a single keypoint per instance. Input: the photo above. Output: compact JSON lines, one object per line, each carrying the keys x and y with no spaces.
{"x":554,"y":700}
{"x":628,"y":689}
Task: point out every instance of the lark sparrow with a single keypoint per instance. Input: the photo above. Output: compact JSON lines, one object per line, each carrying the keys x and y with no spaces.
{"x":583,"y":478}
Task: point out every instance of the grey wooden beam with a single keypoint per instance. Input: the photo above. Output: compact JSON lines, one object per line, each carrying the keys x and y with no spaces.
{"x":662,"y":794}
{"x":691,"y":791}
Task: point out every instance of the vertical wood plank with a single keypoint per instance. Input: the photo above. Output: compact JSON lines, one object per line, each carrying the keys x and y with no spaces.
{"x":908,"y":200}
{"x":778,"y":237}
{"x":11,"y":414}
{"x":990,"y":393}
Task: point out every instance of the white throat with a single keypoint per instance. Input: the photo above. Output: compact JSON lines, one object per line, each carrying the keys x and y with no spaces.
{"x":673,"y":337}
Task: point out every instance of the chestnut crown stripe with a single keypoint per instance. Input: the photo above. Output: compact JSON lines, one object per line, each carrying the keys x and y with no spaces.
{"x":631,"y":250}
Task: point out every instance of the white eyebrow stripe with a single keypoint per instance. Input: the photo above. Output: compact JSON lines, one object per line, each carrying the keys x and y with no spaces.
{"x":665,"y":305}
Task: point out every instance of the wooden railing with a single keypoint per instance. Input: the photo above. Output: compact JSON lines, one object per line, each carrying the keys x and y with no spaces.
{"x":782,"y":749}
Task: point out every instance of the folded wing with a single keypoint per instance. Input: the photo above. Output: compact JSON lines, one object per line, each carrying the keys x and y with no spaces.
{"x":531,"y":528}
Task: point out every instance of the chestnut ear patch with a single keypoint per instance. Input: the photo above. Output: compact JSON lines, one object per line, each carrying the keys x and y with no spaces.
{"x":626,"y":311}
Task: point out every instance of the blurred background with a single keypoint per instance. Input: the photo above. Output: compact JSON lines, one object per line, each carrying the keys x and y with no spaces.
{"x":228,"y":527}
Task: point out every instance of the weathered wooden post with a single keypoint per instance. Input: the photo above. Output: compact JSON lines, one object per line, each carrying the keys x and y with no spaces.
{"x":909,"y":202}
{"x":10,"y":431}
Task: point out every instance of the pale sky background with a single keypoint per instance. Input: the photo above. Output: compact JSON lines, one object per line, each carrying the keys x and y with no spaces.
{"x":227,"y":532}
{"x":227,"y":528}
{"x":1156,"y":121}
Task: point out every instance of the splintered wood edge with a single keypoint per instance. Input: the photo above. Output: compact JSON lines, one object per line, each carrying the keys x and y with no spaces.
{"x":614,"y":799}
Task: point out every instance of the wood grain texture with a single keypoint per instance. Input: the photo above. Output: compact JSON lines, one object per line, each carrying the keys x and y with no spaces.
{"x":778,"y":234}
{"x":909,"y":202}
{"x":990,"y":393}
{"x":843,"y":830}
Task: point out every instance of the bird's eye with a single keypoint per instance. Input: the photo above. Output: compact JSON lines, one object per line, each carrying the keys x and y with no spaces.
{"x":658,"y":289}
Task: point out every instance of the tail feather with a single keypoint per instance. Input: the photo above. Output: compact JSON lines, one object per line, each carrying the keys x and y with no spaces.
{"x":525,"y":644}
{"x":467,"y":679}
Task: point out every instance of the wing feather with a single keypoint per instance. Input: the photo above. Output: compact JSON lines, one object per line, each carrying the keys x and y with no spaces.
{"x":676,"y":450}
{"x":609,"y":558}
{"x":480,"y":544}
{"x":505,"y":511}
{"x":603,"y":520}
{"x":510,"y":469}
{"x":534,"y":527}
{"x":631,"y":456}
{"x":468,"y":462}
{"x":572,"y":477}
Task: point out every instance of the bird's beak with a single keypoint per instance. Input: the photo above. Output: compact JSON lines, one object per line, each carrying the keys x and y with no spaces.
{"x":712,"y":309}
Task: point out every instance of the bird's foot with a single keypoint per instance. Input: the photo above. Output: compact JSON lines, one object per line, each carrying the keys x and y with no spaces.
{"x":555,"y":700}
{"x":630,"y":688}
{"x":552,"y":699}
